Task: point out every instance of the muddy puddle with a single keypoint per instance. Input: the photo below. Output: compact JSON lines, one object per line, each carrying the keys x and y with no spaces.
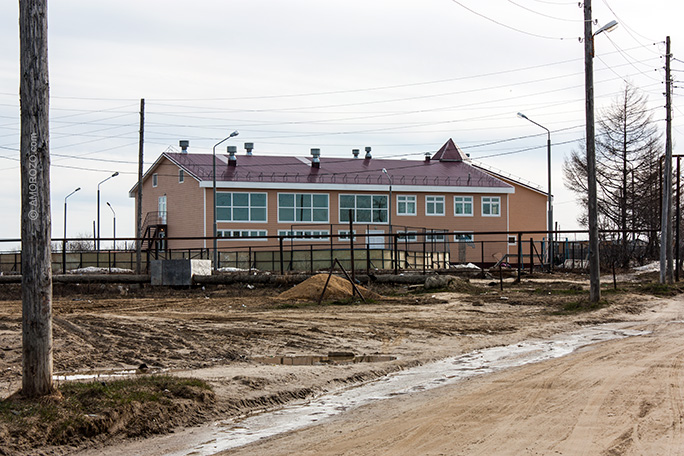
{"x":331,"y":358}
{"x":236,"y":433}
{"x":104,"y":374}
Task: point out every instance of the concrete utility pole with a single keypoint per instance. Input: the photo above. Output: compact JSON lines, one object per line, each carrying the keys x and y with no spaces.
{"x":594,"y":264}
{"x":138,"y":230}
{"x":666,"y":275}
{"x":36,"y":268}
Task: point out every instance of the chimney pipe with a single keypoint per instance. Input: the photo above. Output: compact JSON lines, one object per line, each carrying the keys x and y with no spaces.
{"x":232,"y":159}
{"x":316,"y":163}
{"x":184,"y":143}
{"x":355,"y":153}
{"x":428,"y":156}
{"x":248,"y":147}
{"x":368,"y":153}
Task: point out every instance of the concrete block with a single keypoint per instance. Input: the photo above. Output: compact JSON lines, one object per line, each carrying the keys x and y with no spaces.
{"x":177,"y":272}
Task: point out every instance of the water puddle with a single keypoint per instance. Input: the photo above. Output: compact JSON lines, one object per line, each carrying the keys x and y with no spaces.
{"x":104,"y":374}
{"x":331,"y":358}
{"x":422,"y":378}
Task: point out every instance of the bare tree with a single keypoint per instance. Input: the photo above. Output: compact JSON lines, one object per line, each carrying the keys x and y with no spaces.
{"x":628,"y":146}
{"x":36,"y":286}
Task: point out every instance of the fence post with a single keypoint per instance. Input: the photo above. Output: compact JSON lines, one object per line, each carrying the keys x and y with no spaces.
{"x":311,"y":258}
{"x":351,"y":248}
{"x":396,"y":251}
{"x":520,"y":254}
{"x":482,"y":252}
{"x":368,"y":259}
{"x":282,"y":266}
{"x":531,"y":255}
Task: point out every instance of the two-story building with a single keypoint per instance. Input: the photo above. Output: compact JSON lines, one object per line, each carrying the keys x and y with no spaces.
{"x":316,"y":196}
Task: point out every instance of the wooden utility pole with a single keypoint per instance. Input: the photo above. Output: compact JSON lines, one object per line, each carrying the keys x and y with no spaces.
{"x":594,"y":264}
{"x":36,"y":284}
{"x":666,"y":275}
{"x":141,"y":142}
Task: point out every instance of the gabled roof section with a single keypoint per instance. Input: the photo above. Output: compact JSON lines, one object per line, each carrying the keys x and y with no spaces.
{"x":450,"y":152}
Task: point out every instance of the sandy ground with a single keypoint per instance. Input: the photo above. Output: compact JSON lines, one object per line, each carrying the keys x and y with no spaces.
{"x":620,"y":397}
{"x":623,"y":397}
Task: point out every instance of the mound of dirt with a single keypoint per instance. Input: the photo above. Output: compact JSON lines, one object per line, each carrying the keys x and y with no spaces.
{"x":451,"y":283}
{"x":338,"y":288}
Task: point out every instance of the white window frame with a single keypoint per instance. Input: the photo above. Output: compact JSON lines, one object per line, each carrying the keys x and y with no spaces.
{"x":464,"y":236}
{"x":181,"y":176}
{"x":310,"y":209}
{"x":435,"y":200}
{"x":407,"y":236}
{"x":343,"y":235}
{"x":345,"y":219}
{"x":491,"y":201}
{"x":155,"y":180}
{"x":435,"y":237}
{"x":512,"y":239}
{"x":407,"y":199}
{"x":307,"y":235}
{"x":249,"y":207}
{"x":462,"y":201}
{"x":229,"y":234}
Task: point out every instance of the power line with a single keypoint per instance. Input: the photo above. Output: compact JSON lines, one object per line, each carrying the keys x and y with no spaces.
{"x":544,"y":15}
{"x":510,"y":27}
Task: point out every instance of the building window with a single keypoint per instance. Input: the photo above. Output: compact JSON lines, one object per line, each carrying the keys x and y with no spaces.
{"x":303,"y":207}
{"x":241,"y":207}
{"x":463,"y":237}
{"x":434,"y":205}
{"x":181,"y":176}
{"x":512,"y":240}
{"x":463,"y":206}
{"x":364,"y":208}
{"x":238,"y":234}
{"x":435,"y":237}
{"x":155,"y":180}
{"x":491,"y":206}
{"x":406,"y":205}
{"x":344,"y":235}
{"x":304,"y":235}
{"x":407,"y":236}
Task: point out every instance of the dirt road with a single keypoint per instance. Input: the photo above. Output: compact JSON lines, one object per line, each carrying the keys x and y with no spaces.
{"x":218,"y":335}
{"x":623,"y":397}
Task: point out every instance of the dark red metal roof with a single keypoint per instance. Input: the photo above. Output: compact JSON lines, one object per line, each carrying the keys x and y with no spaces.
{"x":336,"y":170}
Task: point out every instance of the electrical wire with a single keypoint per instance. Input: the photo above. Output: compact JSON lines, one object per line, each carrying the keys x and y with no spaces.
{"x":510,"y":27}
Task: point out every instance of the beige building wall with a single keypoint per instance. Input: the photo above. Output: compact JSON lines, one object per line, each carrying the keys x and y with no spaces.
{"x":190,"y":214}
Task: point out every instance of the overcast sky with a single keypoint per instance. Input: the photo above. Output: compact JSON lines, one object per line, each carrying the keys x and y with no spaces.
{"x":400,"y":76}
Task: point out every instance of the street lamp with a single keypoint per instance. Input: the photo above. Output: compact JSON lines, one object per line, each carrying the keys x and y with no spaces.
{"x":594,"y":265}
{"x":550,"y":202}
{"x":64,"y":242}
{"x":114,"y":224}
{"x":233,"y":134}
{"x":98,"y":208}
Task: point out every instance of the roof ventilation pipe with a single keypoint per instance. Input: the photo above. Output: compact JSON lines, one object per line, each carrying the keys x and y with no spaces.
{"x":428,"y":156}
{"x":184,"y":144}
{"x":368,"y":153}
{"x":355,"y":153}
{"x":232,"y":159}
{"x":316,"y":162}
{"x":249,"y":147}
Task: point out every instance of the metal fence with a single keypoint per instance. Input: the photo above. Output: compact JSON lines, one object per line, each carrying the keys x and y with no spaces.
{"x":421,"y":251}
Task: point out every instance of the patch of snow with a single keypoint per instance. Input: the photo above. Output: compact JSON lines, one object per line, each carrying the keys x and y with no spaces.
{"x":465,"y":266}
{"x":229,"y":269}
{"x":96,"y":270}
{"x":650,"y":267}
